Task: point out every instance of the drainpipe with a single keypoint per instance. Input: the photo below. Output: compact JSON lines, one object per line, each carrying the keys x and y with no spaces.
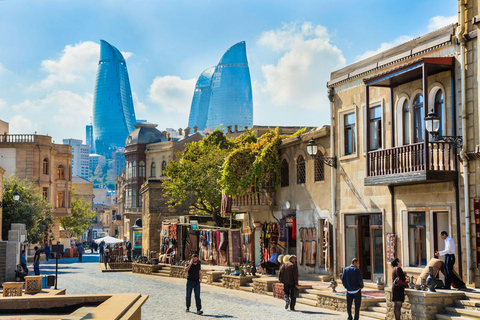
{"x":331,"y":94}
{"x":459,"y":35}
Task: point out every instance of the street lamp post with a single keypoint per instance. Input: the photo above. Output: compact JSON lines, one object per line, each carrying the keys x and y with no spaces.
{"x":432,"y":124}
{"x":16,"y":196}
{"x":312,"y":150}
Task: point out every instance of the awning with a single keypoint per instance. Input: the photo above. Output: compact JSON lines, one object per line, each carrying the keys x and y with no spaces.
{"x":409,"y":72}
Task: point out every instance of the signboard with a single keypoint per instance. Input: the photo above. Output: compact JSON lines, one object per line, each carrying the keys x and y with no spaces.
{"x":194,"y":224}
{"x":137,"y":239}
{"x":57,"y":248}
{"x":476,"y":207}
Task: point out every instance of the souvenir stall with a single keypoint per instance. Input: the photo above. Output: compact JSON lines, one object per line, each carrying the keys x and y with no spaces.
{"x":308,"y":243}
{"x":169,"y":249}
{"x":213,"y":247}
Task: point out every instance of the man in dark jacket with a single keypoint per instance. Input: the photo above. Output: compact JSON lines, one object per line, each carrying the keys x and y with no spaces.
{"x":290,"y":281}
{"x":128,"y":247}
{"x":352,"y":281}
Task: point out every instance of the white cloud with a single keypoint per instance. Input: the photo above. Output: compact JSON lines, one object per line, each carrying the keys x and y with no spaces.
{"x":384,"y":47}
{"x":20,"y":124}
{"x":172,"y":93}
{"x":141,"y":110}
{"x":301,"y":73}
{"x":438,"y":22}
{"x":3,"y":104}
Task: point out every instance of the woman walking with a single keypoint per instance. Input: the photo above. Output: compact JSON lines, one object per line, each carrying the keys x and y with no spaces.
{"x":398,"y":287}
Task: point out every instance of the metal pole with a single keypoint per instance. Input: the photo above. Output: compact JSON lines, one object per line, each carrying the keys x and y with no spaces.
{"x":56,"y":269}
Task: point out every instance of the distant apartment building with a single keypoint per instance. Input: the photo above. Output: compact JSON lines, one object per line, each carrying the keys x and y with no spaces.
{"x":80,"y":160}
{"x":95,"y":160}
{"x":89,"y":137}
{"x":118,"y":161}
{"x":46,"y":164}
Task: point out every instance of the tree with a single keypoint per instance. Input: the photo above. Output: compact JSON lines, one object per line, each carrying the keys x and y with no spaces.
{"x":80,"y":220}
{"x":193,"y":177}
{"x":31,"y":209}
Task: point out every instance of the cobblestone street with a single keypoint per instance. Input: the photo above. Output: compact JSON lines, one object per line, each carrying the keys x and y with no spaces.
{"x":167,"y":295}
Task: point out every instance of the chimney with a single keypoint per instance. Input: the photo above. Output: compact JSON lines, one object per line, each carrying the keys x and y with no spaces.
{"x":195,"y":129}
{"x":236,"y":128}
{"x":187,"y":131}
{"x":229,"y":129}
{"x":180,"y":131}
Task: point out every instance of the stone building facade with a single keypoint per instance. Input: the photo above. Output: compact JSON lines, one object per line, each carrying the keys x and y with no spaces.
{"x":46,"y":164}
{"x":396,"y":186}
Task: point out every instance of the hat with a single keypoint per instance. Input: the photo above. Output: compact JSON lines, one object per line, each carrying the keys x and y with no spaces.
{"x":292,"y":256}
{"x":280,"y":258}
{"x":286,"y":258}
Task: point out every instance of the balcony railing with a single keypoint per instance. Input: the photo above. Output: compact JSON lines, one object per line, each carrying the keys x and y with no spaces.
{"x":260,"y":198}
{"x":411,"y":158}
{"x":17,"y":138}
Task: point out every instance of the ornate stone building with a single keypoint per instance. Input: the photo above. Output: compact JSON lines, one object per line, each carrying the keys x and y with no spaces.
{"x":46,"y":164}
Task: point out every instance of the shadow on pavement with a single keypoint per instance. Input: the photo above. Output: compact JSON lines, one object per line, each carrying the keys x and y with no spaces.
{"x":219,"y":316}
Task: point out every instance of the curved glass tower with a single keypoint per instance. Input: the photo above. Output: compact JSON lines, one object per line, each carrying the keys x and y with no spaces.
{"x":230,"y":100}
{"x":201,"y":100}
{"x":113,"y":113}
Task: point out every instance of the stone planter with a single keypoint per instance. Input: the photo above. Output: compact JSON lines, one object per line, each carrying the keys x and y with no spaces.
{"x":178,"y":272}
{"x":120,"y":265}
{"x":214,"y":276}
{"x":144,"y":268}
{"x":422,"y":305}
{"x":338,"y":301}
{"x":235,"y":282}
{"x":263,"y":285}
{"x":12,"y":289}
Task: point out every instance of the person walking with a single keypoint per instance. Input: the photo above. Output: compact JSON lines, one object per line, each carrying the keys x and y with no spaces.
{"x":290,"y":282}
{"x":128,"y":247}
{"x":36,"y":261}
{"x":47,"y":251}
{"x":102,"y":251}
{"x":449,"y":254}
{"x":352,"y":281}
{"x":194,"y":277}
{"x":400,"y":282}
{"x":23,"y":262}
{"x":80,"y":251}
{"x":106,"y":256}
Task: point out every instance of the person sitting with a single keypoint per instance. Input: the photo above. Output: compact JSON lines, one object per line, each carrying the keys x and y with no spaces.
{"x":272,"y":264}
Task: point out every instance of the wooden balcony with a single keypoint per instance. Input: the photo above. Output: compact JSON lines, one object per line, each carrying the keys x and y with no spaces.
{"x":409,"y":164}
{"x":263,"y":200}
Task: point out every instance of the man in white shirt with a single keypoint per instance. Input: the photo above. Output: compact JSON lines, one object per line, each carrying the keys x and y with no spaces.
{"x":449,"y":254}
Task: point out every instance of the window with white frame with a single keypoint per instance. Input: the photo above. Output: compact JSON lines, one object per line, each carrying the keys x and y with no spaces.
{"x":417,"y":242}
{"x":406,"y":122}
{"x":375,"y":126}
{"x":418,"y":119}
{"x":349,"y":131}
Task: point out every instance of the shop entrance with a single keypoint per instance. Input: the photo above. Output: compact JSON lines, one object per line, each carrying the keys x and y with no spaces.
{"x":364,"y":240}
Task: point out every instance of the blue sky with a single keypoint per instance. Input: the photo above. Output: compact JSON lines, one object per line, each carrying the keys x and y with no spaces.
{"x":49,"y":53}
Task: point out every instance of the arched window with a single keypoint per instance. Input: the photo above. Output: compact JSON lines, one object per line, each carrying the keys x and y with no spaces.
{"x":45,"y":166}
{"x":418,"y":118}
{"x":319,"y":167}
{"x":300,"y":170}
{"x":439,"y":109}
{"x":284,"y":173}
{"x":153,"y":169}
{"x":61,"y":172}
{"x":164,"y":167}
{"x":406,"y":122}
{"x":141,"y":169}
{"x":134,"y":169}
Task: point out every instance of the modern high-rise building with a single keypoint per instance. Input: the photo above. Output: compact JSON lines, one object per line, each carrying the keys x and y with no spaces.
{"x":96,"y":160}
{"x":226,"y":90}
{"x":201,"y":100}
{"x":89,"y":138}
{"x":80,"y":159}
{"x":113,"y":112}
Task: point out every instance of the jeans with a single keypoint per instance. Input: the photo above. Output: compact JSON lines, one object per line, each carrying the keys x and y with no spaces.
{"x":47,"y":255}
{"x":195,"y":286}
{"x":36,"y":268}
{"x":289,"y":292}
{"x":80,"y":257}
{"x":24,"y":267}
{"x":449,"y":274}
{"x":358,"y":301}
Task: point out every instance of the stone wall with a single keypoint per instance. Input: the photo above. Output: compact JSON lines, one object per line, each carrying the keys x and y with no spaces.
{"x":422,"y":305}
{"x":263,"y":286}
{"x":144,"y":268}
{"x":178,"y":272}
{"x":235,"y":282}
{"x":333,"y":301}
{"x":120,"y":265}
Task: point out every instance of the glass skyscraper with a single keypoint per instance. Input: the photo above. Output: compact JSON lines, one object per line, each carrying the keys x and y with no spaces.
{"x":230,"y":93}
{"x":113,"y":113}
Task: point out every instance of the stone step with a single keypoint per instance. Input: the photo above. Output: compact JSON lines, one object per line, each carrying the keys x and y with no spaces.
{"x":451,"y":317}
{"x":473,"y":295}
{"x":468,"y":304}
{"x":167,"y":273}
{"x":249,"y":284}
{"x":372,"y":314}
{"x":382,"y":304}
{"x":217,"y":284}
{"x":308,"y":296}
{"x":269,"y":294}
{"x":313,"y":291}
{"x":319,"y":277}
{"x":463,"y":312}
{"x":247,"y":289}
{"x":307,"y":302}
{"x":378,"y":309}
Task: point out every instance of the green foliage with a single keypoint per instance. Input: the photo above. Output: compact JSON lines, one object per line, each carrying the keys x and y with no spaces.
{"x":193,"y":177}
{"x":31,"y":209}
{"x":255,"y":162}
{"x":80,"y":220}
